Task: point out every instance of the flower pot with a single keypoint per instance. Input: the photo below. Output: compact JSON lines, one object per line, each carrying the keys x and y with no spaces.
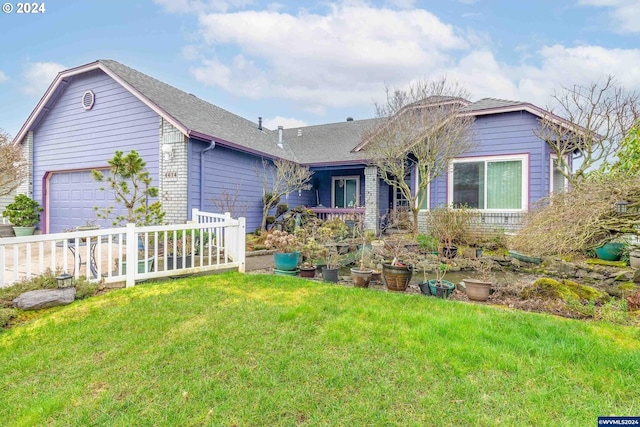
{"x":608,"y":251}
{"x":361,"y":278}
{"x":424,"y":288}
{"x":442,"y":289}
{"x":330,"y":274}
{"x":24,"y":231}
{"x":396,"y":278}
{"x":450,"y":252}
{"x":308,"y":272}
{"x":286,"y":261}
{"x":142,"y":263}
{"x":477,"y":290}
{"x":178,"y":260}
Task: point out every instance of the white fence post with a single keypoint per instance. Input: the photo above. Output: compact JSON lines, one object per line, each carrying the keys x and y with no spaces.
{"x":132,"y":255}
{"x":240,"y":241}
{"x":194,"y":214}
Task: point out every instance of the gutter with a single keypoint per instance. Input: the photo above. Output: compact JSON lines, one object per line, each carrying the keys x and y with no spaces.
{"x":211,"y":146}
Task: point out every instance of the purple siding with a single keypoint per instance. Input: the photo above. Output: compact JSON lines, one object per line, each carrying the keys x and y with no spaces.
{"x":70,"y":138}
{"x":226,"y":170}
{"x":501,"y":134}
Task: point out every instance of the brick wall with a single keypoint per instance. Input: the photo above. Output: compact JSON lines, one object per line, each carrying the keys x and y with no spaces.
{"x":173,"y":173}
{"x":371,"y":189}
{"x":26,"y":187}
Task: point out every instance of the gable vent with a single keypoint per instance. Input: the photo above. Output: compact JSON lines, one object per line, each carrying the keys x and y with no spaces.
{"x":88,"y":98}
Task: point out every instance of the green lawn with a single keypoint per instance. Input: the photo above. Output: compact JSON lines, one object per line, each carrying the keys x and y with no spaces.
{"x":253,"y":350}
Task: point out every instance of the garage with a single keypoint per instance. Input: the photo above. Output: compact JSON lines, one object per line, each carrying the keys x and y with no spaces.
{"x":71,"y":199}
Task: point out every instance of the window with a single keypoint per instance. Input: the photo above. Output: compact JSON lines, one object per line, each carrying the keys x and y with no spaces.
{"x":345,"y":191}
{"x":490,"y":183}
{"x":558,"y":180}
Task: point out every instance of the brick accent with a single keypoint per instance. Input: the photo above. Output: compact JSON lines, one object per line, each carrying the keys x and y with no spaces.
{"x":173,"y":173}
{"x":371,"y":190}
{"x":27,"y":150}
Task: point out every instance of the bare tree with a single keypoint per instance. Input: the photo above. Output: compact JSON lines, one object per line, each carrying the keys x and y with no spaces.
{"x":586,"y":123}
{"x":13,"y":166}
{"x":229,"y":201}
{"x":279,"y":178}
{"x":419,"y":129}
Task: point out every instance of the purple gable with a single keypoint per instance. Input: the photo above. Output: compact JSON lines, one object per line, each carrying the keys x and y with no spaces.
{"x":69,"y":141}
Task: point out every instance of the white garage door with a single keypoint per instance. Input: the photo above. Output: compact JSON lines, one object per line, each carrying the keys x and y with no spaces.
{"x":72,"y":197}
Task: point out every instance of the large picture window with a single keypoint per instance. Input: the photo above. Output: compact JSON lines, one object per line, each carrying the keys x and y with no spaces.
{"x":489,"y":183}
{"x":345,"y":191}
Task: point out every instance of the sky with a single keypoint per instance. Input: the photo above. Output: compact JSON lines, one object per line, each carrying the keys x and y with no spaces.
{"x":298,"y":63}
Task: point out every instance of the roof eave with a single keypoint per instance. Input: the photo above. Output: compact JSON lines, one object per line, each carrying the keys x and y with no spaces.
{"x":229,"y":144}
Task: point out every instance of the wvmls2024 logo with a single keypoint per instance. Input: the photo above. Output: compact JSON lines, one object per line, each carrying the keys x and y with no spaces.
{"x":619,"y":421}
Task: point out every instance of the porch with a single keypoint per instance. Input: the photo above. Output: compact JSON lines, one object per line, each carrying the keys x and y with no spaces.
{"x":345,"y":214}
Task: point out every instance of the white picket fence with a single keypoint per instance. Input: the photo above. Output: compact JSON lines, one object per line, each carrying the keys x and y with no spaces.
{"x":209,"y":242}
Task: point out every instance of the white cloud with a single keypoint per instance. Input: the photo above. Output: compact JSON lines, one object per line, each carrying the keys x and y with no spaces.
{"x":286,"y":122}
{"x":201,"y":6}
{"x":39,"y":75}
{"x":625,"y":13}
{"x":346,"y":57}
{"x":3,"y":77}
{"x":338,"y":59}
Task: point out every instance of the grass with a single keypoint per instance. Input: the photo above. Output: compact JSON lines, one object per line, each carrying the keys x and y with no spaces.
{"x":249,"y":350}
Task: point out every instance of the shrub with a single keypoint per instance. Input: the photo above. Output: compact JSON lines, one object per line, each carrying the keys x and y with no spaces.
{"x":23,"y":212}
{"x":6,"y":315}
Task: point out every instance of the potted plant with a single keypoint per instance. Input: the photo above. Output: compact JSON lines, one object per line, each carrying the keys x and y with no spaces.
{"x":440,"y":287}
{"x":24,"y":214}
{"x":286,"y":255}
{"x":478,"y":289}
{"x":311,"y":251}
{"x":180,"y":248}
{"x":450,"y":226}
{"x":361,"y":275}
{"x":326,"y":234}
{"x":397,"y":273}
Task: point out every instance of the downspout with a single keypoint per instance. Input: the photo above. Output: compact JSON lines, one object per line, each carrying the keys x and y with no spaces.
{"x":211,"y":146}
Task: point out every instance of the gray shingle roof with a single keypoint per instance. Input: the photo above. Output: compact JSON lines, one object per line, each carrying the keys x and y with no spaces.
{"x":330,"y":143}
{"x":319,"y":144}
{"x":489,"y":103}
{"x":201,"y":116}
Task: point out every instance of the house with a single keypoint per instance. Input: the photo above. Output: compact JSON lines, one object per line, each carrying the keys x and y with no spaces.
{"x":201,"y":156}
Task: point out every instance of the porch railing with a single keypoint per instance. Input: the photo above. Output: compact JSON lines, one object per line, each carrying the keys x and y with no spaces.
{"x":345,"y":214}
{"x":128,"y":254}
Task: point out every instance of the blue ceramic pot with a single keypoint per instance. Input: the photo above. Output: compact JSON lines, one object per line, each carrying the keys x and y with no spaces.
{"x":286,"y":261}
{"x":610,"y":251}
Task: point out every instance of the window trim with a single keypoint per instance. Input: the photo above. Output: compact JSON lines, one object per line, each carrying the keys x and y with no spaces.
{"x":553,"y":157}
{"x":333,"y":189}
{"x":524,"y":158}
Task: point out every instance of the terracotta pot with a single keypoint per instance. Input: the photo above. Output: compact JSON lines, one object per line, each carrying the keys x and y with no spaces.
{"x":477,"y":290}
{"x":361,"y":278}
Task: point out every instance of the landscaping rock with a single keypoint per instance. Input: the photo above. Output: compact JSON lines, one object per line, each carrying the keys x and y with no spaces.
{"x":43,"y":298}
{"x":636,"y":276}
{"x":550,"y":289}
{"x":561,"y":268}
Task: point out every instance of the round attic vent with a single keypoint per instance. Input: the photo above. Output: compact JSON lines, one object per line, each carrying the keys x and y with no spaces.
{"x":88,"y":98}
